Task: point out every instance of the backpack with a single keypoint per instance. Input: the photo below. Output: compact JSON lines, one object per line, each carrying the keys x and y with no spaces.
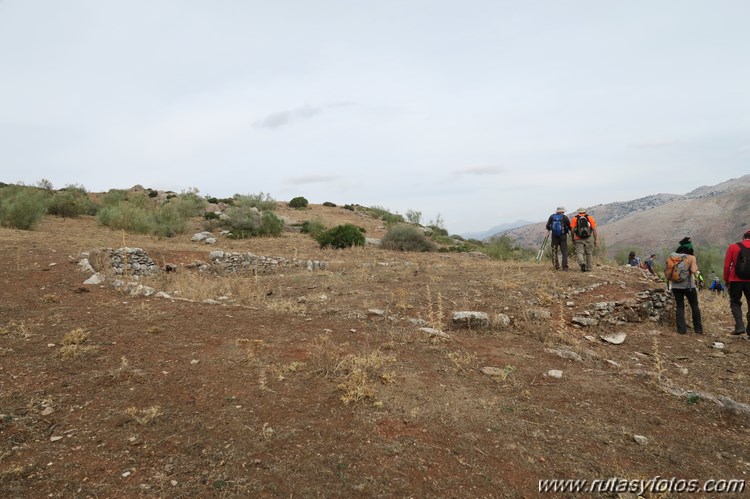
{"x":742,"y":265}
{"x":676,"y":269}
{"x":557,"y":225}
{"x":583,"y":227}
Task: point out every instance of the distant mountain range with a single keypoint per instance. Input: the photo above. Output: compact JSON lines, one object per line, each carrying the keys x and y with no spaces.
{"x":495,"y":230}
{"x":711,"y":215}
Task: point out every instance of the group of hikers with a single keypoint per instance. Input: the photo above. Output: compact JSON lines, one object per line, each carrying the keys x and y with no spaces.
{"x":680,"y":270}
{"x":583,"y":230}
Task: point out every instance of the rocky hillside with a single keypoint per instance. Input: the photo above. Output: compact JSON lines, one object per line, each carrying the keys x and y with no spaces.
{"x":715,"y":215}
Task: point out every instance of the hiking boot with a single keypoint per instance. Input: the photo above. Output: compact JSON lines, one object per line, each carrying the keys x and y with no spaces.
{"x":583,"y":267}
{"x":737,"y":333}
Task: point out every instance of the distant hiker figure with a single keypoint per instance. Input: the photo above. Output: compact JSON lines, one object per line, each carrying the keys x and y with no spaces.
{"x":583,"y":227}
{"x":634,"y":261}
{"x":649,"y":263}
{"x":737,"y":277}
{"x":558,"y":226}
{"x":681,"y":270}
{"x":716,"y":286}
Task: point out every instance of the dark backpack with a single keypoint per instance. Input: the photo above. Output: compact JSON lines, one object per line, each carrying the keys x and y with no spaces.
{"x":676,"y":269}
{"x":742,"y":266}
{"x":557,"y":225}
{"x":583,"y":227}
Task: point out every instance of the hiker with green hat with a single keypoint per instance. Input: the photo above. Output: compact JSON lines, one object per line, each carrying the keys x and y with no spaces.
{"x":681,"y":271}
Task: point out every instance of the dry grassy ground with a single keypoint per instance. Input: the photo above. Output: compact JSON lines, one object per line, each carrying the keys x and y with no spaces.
{"x":299,"y":391}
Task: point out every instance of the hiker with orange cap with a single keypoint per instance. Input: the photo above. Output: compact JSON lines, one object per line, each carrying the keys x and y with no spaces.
{"x":583,"y":228}
{"x":737,"y":277}
{"x":558,"y":225}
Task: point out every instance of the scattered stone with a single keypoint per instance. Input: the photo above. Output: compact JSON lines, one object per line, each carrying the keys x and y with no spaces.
{"x":614,"y":338}
{"x":718,"y":345}
{"x":162,"y":294}
{"x":216,"y":255}
{"x":683,"y":370}
{"x":47,"y":411}
{"x":590,"y":338}
{"x":435,"y":332}
{"x":584,"y":321}
{"x":477,"y":254}
{"x":201,"y":236}
{"x":640,"y":439}
{"x":418,"y":322}
{"x":502,"y":320}
{"x":173,"y":483}
{"x":95,"y":279}
{"x":375,"y":311}
{"x":352,"y":330}
{"x":210,"y":240}
{"x":612,"y":363}
{"x":55,"y":439}
{"x":570,"y":304}
{"x":327,"y":331}
{"x":371,"y":241}
{"x":209,"y":301}
{"x":538,"y":314}
{"x":492,"y":371}
{"x":554,"y":373}
{"x":126,"y":474}
{"x":565,"y":354}
{"x":194,"y":361}
{"x":471,"y":319}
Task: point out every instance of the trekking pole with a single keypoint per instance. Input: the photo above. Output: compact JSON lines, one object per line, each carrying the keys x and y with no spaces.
{"x":541,"y":250}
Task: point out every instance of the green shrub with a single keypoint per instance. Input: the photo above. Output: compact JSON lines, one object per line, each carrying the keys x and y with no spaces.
{"x":503,"y":248}
{"x":71,"y":202}
{"x":169,"y":220}
{"x":404,"y":237}
{"x":270,"y":224}
{"x":438,"y":231}
{"x":313,"y":227}
{"x":114,"y":196}
{"x":349,"y":207}
{"x":299,"y":202}
{"x":22,"y":207}
{"x":152,"y":193}
{"x":414,"y":217}
{"x":247,"y":221}
{"x":128,"y":217}
{"x":385,"y":215}
{"x":261,"y":201}
{"x":330,"y":204}
{"x":210,"y":215}
{"x":341,"y":236}
{"x":187,"y":204}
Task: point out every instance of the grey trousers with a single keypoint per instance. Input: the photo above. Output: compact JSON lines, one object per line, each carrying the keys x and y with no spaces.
{"x":585,"y":252}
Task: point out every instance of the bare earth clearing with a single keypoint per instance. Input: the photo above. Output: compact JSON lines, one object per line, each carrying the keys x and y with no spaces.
{"x":299,"y":391}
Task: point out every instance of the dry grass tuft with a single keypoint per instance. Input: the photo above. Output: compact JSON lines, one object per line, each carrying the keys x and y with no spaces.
{"x":73,"y":345}
{"x":359,"y":374}
{"x":20,"y":329}
{"x":144,"y":416}
{"x":251,"y":349}
{"x":49,"y":298}
{"x":661,"y":380}
{"x":463,"y":361}
{"x":324,"y":356}
{"x":435,"y":313}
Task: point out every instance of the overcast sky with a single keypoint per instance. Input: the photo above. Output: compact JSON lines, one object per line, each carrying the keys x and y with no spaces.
{"x":482,"y":111}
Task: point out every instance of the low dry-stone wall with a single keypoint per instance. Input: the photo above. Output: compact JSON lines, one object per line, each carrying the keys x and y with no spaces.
{"x":249,"y":262}
{"x":650,"y":305}
{"x":136,"y":262}
{"x":122,"y":261}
